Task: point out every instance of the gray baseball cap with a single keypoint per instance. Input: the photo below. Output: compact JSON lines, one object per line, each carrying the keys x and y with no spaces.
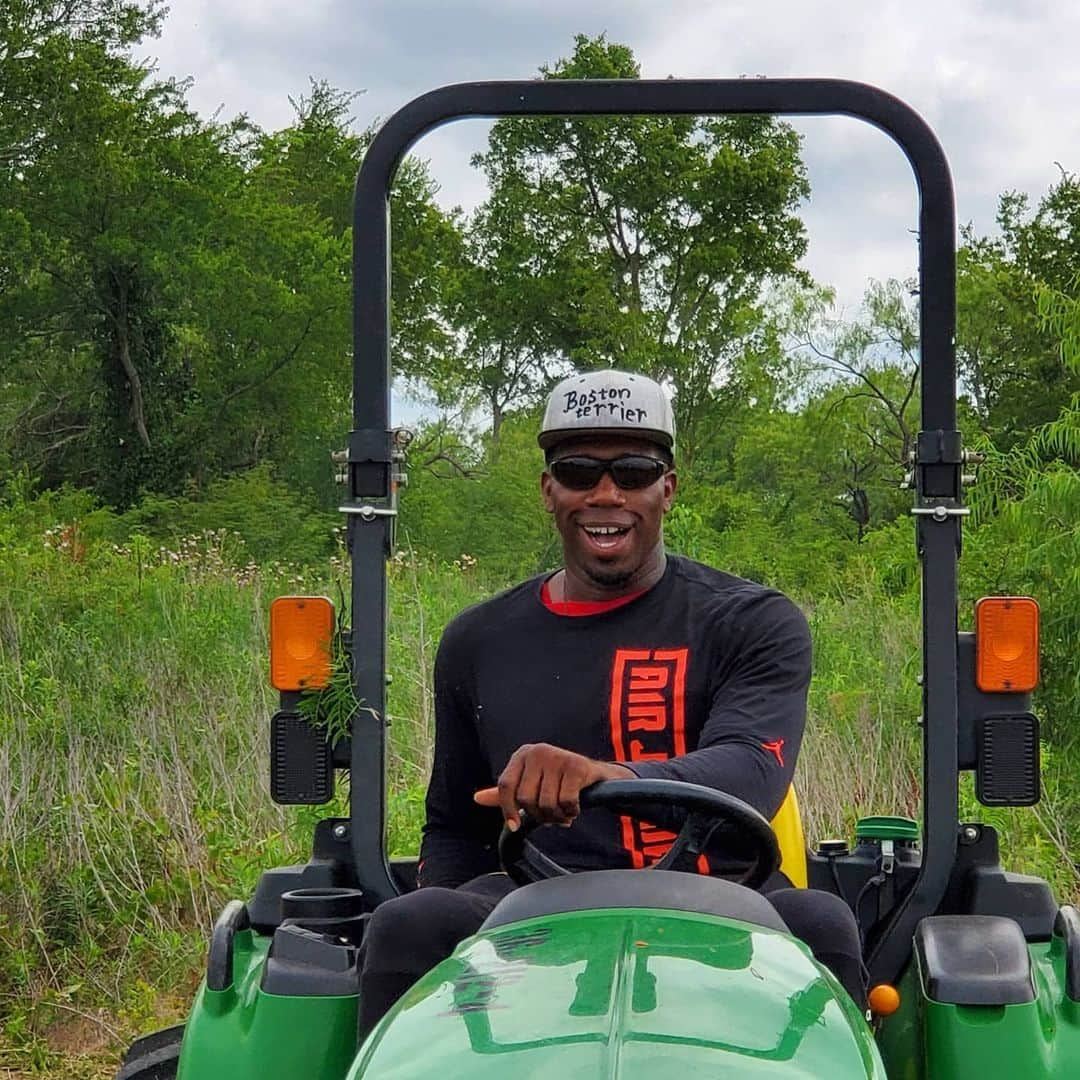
{"x":608,"y":402}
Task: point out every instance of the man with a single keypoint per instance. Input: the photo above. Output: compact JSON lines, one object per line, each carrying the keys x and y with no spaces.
{"x":626,"y":662}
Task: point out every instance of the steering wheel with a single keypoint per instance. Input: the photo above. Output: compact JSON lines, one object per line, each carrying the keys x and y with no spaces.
{"x":706,"y":811}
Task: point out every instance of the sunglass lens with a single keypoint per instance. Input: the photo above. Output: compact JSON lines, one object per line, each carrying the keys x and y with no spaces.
{"x":633,"y":473}
{"x":578,"y":474}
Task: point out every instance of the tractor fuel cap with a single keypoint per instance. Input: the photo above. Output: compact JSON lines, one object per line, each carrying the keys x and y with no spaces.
{"x":833,"y":849}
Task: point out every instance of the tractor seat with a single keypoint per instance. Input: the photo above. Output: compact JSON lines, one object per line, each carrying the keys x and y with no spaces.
{"x":666,"y":889}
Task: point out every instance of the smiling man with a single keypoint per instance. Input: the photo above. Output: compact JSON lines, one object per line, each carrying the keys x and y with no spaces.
{"x":625,"y":662}
{"x":603,"y":493}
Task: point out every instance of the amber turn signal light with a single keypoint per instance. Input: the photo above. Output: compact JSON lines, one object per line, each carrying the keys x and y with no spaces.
{"x":1006,"y":644}
{"x":301,"y":629}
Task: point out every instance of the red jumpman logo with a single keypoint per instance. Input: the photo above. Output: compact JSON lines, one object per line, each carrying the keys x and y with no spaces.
{"x":776,"y":748}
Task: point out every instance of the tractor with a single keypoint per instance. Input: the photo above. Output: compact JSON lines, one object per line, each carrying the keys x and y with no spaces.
{"x":975,"y":971}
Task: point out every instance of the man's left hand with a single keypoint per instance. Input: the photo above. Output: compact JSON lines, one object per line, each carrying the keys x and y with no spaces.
{"x":546,"y":782}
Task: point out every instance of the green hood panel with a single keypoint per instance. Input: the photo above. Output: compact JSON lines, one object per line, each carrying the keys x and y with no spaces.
{"x":624,"y":994}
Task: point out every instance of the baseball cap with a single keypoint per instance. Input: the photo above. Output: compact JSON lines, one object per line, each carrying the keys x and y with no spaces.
{"x":608,"y":402}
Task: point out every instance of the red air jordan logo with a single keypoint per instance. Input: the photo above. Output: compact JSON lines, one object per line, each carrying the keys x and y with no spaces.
{"x":776,"y":748}
{"x":648,"y":723}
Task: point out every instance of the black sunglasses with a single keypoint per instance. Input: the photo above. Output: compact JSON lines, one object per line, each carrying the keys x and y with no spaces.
{"x":631,"y":472}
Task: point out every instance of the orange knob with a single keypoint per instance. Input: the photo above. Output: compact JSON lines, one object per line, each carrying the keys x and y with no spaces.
{"x":883,"y":1000}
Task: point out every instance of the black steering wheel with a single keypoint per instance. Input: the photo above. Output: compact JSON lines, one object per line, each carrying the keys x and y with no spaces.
{"x":706,"y":811}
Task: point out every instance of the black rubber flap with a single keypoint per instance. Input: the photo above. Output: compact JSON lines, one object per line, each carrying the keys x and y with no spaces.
{"x":1007,"y":772}
{"x":665,"y":889}
{"x":301,"y":772}
{"x":974,"y":960}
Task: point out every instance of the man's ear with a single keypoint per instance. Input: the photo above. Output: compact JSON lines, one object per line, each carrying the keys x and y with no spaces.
{"x":545,"y":491}
{"x":671,"y":482}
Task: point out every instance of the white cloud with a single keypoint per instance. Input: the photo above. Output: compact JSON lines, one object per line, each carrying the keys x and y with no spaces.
{"x":997,"y":79}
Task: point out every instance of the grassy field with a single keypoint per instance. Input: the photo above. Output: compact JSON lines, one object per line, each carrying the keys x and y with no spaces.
{"x":134,"y":707}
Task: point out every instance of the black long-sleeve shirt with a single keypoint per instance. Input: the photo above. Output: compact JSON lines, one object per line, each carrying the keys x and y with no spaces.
{"x":703,"y":678}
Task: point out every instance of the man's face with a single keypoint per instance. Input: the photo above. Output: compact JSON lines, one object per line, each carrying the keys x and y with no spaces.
{"x":608,"y":532}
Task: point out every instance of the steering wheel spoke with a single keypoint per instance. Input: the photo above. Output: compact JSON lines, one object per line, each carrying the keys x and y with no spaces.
{"x":529,"y":863}
{"x":690,"y":844}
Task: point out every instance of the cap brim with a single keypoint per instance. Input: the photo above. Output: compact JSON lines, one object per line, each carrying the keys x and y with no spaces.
{"x":547,"y":439}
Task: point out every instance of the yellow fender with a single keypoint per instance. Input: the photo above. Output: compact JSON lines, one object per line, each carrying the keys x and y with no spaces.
{"x":787,"y":825}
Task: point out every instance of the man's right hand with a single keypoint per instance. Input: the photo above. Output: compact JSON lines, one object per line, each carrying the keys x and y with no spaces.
{"x":546,"y":782}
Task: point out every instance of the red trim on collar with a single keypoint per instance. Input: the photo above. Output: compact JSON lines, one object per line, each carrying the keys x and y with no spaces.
{"x":577,"y":608}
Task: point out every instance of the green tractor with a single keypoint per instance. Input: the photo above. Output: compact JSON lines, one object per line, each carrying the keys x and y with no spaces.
{"x":652,"y":973}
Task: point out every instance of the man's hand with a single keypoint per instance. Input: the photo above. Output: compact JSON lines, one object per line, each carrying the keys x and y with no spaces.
{"x":546,"y":782}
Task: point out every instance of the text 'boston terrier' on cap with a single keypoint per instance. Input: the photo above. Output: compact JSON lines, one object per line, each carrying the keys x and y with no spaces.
{"x":608,"y":402}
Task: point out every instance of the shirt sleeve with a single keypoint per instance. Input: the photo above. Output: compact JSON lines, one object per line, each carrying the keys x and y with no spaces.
{"x":752,"y":734}
{"x":460,"y":838}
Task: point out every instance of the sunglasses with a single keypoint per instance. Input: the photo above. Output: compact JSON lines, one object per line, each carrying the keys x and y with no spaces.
{"x":631,"y":472}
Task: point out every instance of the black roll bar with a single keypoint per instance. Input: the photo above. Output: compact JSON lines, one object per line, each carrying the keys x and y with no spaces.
{"x":937,"y":465}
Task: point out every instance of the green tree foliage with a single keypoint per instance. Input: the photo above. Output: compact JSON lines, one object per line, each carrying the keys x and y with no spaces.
{"x":873,"y":358}
{"x":1008,"y":355}
{"x":274,"y":316}
{"x":36,"y":30}
{"x":504,"y":357}
{"x":491,"y":512}
{"x":84,"y":317}
{"x":640,"y":241}
{"x":809,"y":435}
{"x":178,"y":301}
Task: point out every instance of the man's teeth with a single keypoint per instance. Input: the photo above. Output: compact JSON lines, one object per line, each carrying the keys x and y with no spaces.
{"x":604,"y":530}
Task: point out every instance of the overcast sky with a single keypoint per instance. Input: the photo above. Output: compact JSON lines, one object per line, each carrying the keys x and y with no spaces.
{"x":998,"y":80}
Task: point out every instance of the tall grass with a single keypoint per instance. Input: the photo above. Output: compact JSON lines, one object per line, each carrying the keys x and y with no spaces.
{"x":131,"y":760}
{"x":861,"y":751}
{"x":134,"y":710}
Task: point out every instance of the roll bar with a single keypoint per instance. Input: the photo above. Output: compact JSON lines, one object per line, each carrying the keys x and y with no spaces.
{"x":372,"y":503}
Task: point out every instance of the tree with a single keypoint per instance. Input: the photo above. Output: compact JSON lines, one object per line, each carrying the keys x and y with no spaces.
{"x":499,"y":521}
{"x":36,"y":39}
{"x":278,"y":335}
{"x":1008,"y":357}
{"x":178,"y":304}
{"x":503,"y":356}
{"x":642,"y":241}
{"x":874,"y":358}
{"x":312,"y":165}
{"x":108,"y":182}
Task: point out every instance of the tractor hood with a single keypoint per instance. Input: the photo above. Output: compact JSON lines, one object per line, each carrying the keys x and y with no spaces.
{"x":623,"y":993}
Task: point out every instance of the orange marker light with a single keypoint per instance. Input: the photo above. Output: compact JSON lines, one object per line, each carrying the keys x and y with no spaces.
{"x":883,"y":1000}
{"x":301,"y":629}
{"x":1006,"y":644}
